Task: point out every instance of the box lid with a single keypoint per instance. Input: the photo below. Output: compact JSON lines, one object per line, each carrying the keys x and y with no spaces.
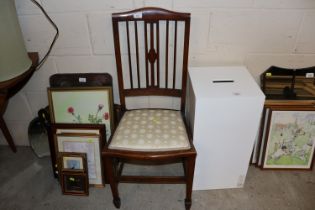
{"x":223,"y":82}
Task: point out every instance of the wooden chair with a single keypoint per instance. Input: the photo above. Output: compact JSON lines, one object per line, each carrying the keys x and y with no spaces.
{"x":151,"y":49}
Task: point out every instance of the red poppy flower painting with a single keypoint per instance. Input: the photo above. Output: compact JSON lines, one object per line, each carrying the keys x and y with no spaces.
{"x":70,"y":110}
{"x":106,"y":115}
{"x":83,"y":105}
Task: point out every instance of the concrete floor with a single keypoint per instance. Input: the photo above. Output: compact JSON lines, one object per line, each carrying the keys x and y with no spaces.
{"x":26,"y":182}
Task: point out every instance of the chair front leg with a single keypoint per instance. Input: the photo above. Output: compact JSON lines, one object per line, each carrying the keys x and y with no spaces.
{"x":111,"y":177}
{"x":190,"y":169}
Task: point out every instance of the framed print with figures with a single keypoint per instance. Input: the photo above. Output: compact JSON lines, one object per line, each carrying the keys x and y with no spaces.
{"x":289,"y":138}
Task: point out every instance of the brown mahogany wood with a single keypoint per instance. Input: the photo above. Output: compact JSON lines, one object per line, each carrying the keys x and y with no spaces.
{"x":166,"y":54}
{"x":8,"y":89}
{"x":151,"y":72}
{"x":151,"y":56}
{"x":174,"y":62}
{"x":158,"y":53}
{"x":152,"y":91}
{"x":146,"y":54}
{"x":153,"y":179}
{"x":129,"y":56}
{"x":137,"y":53}
{"x":185,"y":65}
{"x":73,"y":80}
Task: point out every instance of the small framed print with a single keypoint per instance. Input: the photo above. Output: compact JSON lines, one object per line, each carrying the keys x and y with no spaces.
{"x":93,"y":105}
{"x":289,"y":139}
{"x":73,"y":183}
{"x":81,"y":138}
{"x":72,"y":161}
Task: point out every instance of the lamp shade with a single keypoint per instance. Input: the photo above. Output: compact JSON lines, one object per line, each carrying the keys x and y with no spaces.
{"x":14,"y":59}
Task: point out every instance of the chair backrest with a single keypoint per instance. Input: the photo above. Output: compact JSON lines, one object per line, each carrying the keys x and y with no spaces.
{"x":151,"y":49}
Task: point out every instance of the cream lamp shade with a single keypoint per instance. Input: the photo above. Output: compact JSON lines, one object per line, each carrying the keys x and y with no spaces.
{"x":14,"y":59}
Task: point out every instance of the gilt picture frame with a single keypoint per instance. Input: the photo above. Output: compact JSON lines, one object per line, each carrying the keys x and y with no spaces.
{"x":72,"y":161}
{"x":289,"y":138}
{"x":78,"y":105}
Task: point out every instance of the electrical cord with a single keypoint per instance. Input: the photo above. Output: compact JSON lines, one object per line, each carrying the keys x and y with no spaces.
{"x":55,"y":37}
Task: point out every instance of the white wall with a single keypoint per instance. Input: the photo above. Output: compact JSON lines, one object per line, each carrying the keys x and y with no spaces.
{"x":255,"y":33}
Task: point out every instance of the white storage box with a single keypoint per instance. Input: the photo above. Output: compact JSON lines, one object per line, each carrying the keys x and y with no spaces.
{"x":224,"y":105}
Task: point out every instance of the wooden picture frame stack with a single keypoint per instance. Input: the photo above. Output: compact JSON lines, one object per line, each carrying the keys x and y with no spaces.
{"x":286,"y":140}
{"x":82,"y":117}
{"x":82,"y":138}
{"x":73,"y":172}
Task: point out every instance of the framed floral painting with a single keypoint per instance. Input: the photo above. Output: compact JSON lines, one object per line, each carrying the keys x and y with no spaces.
{"x":289,"y":139}
{"x":93,"y":105}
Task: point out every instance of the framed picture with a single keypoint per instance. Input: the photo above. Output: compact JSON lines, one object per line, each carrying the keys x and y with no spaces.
{"x":74,"y":183}
{"x":92,"y":105}
{"x":72,"y":161}
{"x":260,"y":142}
{"x":289,"y":138}
{"x":83,"y":138}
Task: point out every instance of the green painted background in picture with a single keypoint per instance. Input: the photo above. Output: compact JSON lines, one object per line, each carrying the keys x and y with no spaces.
{"x":82,"y":107}
{"x":291,"y":139}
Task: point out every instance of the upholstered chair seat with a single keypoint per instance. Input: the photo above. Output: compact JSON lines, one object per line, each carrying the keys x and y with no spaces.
{"x":151,"y":130}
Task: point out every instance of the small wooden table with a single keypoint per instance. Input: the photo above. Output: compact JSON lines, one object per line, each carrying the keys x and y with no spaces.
{"x":10,"y":87}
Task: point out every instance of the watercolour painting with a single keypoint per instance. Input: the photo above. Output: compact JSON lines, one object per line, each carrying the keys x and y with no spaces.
{"x":82,"y":105}
{"x":290,"y":141}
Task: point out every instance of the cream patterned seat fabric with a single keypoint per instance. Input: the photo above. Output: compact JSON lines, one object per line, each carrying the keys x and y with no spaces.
{"x":151,"y":130}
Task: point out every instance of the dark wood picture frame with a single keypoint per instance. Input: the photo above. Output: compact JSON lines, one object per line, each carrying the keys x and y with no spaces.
{"x":287,"y":137}
{"x":81,"y":131}
{"x":73,"y":183}
{"x":261,"y":138}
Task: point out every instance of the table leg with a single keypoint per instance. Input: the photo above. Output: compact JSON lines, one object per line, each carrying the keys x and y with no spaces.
{"x":4,"y":128}
{"x":7,"y":134}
